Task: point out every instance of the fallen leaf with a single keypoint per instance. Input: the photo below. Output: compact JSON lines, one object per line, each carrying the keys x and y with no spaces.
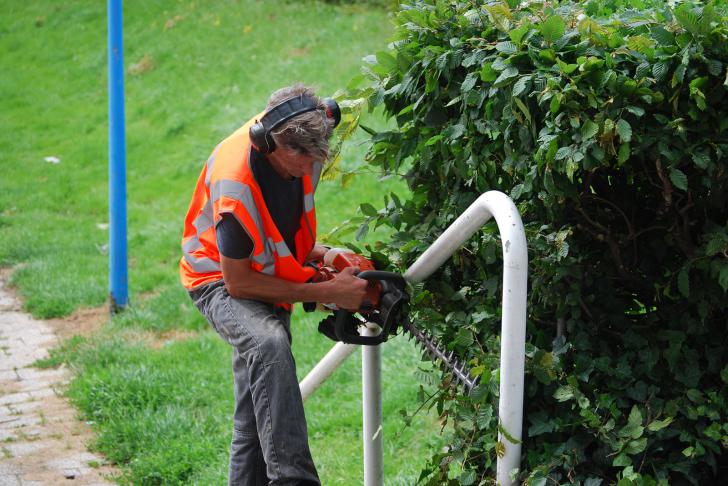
{"x":173,"y":21}
{"x":146,"y":63}
{"x":299,"y":51}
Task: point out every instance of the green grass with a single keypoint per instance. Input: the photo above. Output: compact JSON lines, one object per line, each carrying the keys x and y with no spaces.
{"x":195,"y":72}
{"x":212,"y":67}
{"x":165,"y":414}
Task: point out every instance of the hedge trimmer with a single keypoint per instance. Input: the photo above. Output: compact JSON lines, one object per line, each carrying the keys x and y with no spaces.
{"x":385,"y":306}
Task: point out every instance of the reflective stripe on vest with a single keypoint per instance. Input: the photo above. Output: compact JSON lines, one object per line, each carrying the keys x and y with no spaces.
{"x":210,"y":163}
{"x":202,"y":264}
{"x":205,"y":220}
{"x":308,"y":202}
{"x":242,"y":193}
{"x":198,"y":264}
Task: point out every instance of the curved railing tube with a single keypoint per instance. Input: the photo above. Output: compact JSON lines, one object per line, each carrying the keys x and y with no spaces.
{"x":325,"y":368}
{"x":513,"y":324}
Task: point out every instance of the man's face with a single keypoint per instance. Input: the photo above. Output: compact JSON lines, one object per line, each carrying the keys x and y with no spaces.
{"x":292,"y":163}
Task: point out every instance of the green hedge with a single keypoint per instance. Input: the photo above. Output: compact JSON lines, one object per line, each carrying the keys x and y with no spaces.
{"x":605,"y":121}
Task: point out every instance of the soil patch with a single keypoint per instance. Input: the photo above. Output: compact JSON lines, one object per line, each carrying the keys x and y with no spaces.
{"x":83,"y":322}
{"x":157,"y":341}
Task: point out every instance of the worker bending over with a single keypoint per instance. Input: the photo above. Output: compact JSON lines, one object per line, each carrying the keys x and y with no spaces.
{"x":249,"y":230}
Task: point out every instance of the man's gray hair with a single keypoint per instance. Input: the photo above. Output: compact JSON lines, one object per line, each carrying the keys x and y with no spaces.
{"x":307,"y":133}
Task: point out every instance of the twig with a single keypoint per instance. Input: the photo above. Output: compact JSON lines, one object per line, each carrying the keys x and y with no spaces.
{"x":583,"y":306}
{"x":651,"y":228}
{"x":419,"y":409}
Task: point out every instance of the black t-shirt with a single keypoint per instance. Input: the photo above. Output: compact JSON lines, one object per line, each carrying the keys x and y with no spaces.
{"x":284,"y":199}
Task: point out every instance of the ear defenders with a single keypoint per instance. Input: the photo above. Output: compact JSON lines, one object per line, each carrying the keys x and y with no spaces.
{"x":260,"y":131}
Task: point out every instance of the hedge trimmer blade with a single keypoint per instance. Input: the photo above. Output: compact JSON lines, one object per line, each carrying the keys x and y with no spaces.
{"x":388,"y":301}
{"x":460,"y":371}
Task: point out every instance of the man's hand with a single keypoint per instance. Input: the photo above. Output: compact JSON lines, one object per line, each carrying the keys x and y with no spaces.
{"x":348,"y":290}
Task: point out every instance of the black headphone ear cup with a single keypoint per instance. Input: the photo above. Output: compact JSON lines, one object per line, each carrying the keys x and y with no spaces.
{"x":257,"y":135}
{"x":332,"y":110}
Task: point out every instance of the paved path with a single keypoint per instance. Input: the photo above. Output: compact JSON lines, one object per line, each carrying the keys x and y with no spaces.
{"x":41,"y":440}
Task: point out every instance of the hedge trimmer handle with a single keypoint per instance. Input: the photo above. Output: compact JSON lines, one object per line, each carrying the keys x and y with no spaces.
{"x":343,"y":325}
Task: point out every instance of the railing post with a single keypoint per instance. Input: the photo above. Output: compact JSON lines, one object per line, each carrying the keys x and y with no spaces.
{"x":371,"y":360}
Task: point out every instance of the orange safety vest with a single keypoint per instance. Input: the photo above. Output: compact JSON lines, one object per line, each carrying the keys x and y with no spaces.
{"x":227,"y":185}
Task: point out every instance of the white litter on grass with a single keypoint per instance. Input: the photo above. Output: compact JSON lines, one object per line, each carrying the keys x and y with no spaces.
{"x":102,"y":226}
{"x":52,"y":159}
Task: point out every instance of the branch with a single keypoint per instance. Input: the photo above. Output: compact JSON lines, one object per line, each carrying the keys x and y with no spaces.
{"x":685,"y":239}
{"x":598,"y":226}
{"x":585,"y":309}
{"x":560,"y":327}
{"x":667,"y":188}
{"x":651,"y":228}
{"x":614,"y":250}
{"x":628,"y":223}
{"x":613,"y":247}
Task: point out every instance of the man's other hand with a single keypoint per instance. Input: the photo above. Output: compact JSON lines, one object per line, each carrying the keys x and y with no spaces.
{"x":317,"y":253}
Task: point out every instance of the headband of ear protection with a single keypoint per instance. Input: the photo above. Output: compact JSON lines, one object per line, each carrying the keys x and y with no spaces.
{"x":260,"y":131}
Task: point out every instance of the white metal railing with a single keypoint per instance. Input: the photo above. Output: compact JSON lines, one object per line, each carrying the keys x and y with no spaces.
{"x":492,"y":204}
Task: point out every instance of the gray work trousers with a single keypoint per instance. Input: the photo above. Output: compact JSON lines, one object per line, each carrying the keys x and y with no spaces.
{"x":270,"y":438}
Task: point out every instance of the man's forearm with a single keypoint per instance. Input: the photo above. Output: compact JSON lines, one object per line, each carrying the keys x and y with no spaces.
{"x":345,"y":290}
{"x":272,"y":289}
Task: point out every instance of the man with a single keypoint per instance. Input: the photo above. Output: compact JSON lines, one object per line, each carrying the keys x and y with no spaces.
{"x":249,"y":231}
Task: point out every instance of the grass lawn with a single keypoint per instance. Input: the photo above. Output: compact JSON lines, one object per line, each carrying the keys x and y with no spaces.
{"x":194,"y":72}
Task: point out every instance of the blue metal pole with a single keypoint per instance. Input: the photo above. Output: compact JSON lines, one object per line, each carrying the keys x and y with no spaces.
{"x":118,"y":275}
